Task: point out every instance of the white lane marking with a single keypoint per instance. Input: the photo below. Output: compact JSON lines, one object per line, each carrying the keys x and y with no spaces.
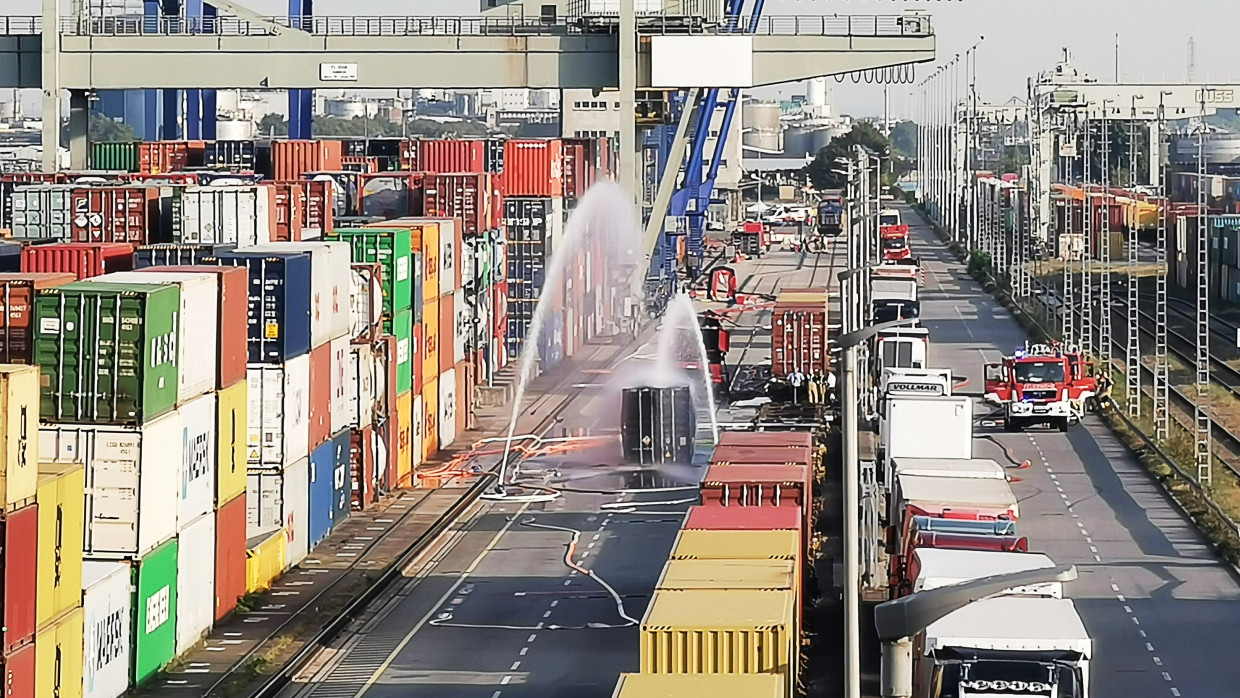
{"x":1142,"y":633}
{"x":1128,"y":609}
{"x":1166,"y":676}
{"x":515,"y":665}
{"x":532,"y":638}
{"x":567,"y":582}
{"x":547,"y":614}
{"x":1149,"y":647}
{"x":504,"y":681}
{"x":524,"y":650}
{"x":497,"y":694}
{"x":1175,"y":691}
{"x":596,"y":536}
{"x":1114,"y":587}
{"x":555,"y":603}
{"x":1158,"y":662}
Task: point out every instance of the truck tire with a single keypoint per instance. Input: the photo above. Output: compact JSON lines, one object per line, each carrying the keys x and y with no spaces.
{"x":1062,"y":423}
{"x":1011,"y":424}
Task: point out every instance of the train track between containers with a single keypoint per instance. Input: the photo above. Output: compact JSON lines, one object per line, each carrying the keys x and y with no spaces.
{"x":271,"y":688}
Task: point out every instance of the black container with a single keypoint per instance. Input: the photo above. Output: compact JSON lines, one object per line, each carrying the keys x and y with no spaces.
{"x":353,"y":147}
{"x":383,"y":148}
{"x":714,"y":336}
{"x":10,"y":257}
{"x":658,"y":425}
{"x":168,"y":254}
{"x":493,"y":156}
{"x":528,"y":219}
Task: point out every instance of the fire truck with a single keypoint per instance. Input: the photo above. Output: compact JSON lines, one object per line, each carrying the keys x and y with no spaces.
{"x":1040,"y":384}
{"x":893,"y":240}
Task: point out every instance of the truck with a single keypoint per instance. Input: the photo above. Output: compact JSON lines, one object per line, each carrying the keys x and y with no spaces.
{"x":931,"y":568}
{"x":1014,"y":645}
{"x":894,"y":298}
{"x":925,"y":427}
{"x":962,"y":468}
{"x":889,"y":216}
{"x":831,"y":213}
{"x":905,"y":382}
{"x":799,"y":333}
{"x":893,"y":242}
{"x":902,"y":347}
{"x":1039,"y":384}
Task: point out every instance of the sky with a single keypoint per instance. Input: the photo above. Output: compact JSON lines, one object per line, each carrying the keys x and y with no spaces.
{"x":1021,"y":37}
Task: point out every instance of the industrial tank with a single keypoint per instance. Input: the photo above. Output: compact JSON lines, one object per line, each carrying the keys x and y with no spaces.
{"x":762,"y":128}
{"x":800,"y":141}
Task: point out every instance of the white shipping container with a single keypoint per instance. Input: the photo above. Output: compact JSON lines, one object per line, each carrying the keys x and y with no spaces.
{"x":331,"y":279}
{"x":241,"y":215}
{"x":200,"y":317}
{"x":131,"y":490}
{"x":43,"y":211}
{"x":450,"y":258}
{"x":360,"y":381}
{"x":419,"y":429}
{"x":107,"y":606}
{"x":195,"y":582}
{"x":282,"y":499}
{"x":197,"y":485}
{"x":365,"y":302}
{"x":464,"y":325}
{"x":279,"y":413}
{"x":343,"y":383}
{"x":447,"y":408}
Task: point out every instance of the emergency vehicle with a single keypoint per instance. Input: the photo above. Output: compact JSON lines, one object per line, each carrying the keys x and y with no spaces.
{"x":1040,"y":384}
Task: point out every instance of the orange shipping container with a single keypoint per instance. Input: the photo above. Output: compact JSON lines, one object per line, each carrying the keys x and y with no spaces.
{"x":430,"y":419}
{"x":404,"y":440}
{"x":163,"y":156}
{"x":292,"y":159}
{"x":451,"y":155}
{"x":319,"y":209}
{"x":424,"y":239}
{"x":534,"y":167}
{"x":355,"y":163}
{"x":432,"y":342}
{"x":320,"y":395}
{"x":290,"y":201}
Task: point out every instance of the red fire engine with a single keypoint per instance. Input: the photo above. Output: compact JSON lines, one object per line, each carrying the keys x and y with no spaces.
{"x":894,"y":242}
{"x":1040,"y":384}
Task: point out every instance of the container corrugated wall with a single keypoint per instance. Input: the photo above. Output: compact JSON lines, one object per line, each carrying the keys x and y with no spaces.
{"x":62,"y":491}
{"x":107,"y":603}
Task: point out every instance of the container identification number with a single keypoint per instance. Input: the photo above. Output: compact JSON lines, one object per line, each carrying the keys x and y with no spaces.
{"x":158,"y":609}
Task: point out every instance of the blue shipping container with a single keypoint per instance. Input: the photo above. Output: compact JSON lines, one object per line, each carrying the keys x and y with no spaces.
{"x":10,"y":257}
{"x":551,"y":343}
{"x":322,"y":492}
{"x":342,"y":482}
{"x":280,"y":302}
{"x":171,"y":254}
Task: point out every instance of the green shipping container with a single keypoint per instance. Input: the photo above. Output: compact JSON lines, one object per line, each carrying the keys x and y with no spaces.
{"x":405,"y":350}
{"x":392,"y":248}
{"x":107,"y":352}
{"x":155,"y":611}
{"x":122,"y":156}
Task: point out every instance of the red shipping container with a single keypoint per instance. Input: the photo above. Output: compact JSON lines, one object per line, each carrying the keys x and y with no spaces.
{"x":416,"y":353}
{"x":82,"y":259}
{"x":451,"y":155}
{"x":740,"y":455}
{"x":357,"y":163}
{"x":19,"y":673}
{"x":447,"y":331}
{"x":116,"y":214}
{"x":233,"y":330}
{"x":320,"y":210}
{"x":411,"y":154}
{"x":33,"y":177}
{"x":292,"y":159}
{"x":799,"y":333}
{"x":362,"y":467}
{"x":707,"y":518}
{"x":533,"y":167}
{"x":229,"y":556}
{"x":752,"y":485}
{"x":576,"y":179}
{"x":175,"y":178}
{"x":290,"y":204}
{"x":17,"y":292}
{"x":320,"y":395}
{"x":163,"y":156}
{"x":465,"y":196}
{"x":766,"y":438}
{"x":21,"y":546}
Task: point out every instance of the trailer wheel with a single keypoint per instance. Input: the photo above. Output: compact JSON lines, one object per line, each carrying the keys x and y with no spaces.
{"x":1062,"y":424}
{"x":1011,"y":424}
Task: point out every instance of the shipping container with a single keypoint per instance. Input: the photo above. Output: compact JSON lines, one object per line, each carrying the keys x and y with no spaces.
{"x":282,"y":498}
{"x":744,"y":519}
{"x":364,"y":475}
{"x":319,"y":214}
{"x":728,"y":574}
{"x":107,"y":607}
{"x":19,"y":412}
{"x":417,"y":439}
{"x":392,"y":249}
{"x":292,"y":159}
{"x":366,"y":301}
{"x":232,"y":300}
{"x":280,"y":302}
{"x":166,"y":254}
{"x":409,"y":356}
{"x":799,"y":333}
{"x":198,"y":319}
{"x":232,"y":432}
{"x":195,"y":582}
{"x":230,"y":556}
{"x":198,"y":463}
{"x":450,"y":155}
{"x":418,"y":353}
{"x":42,"y":212}
{"x":462,"y":197}
{"x":341,"y":192}
{"x":20,"y":591}
{"x":759,"y":485}
{"x":390,"y":195}
{"x":62,"y":492}
{"x":803,"y":439}
{"x":329,"y":284}
{"x":713,"y":631}
{"x":223,"y":215}
{"x":82,"y":259}
{"x":10,"y":257}
{"x":533,"y":167}
{"x":697,"y":544}
{"x":465,"y":397}
{"x":119,"y":155}
{"x":713,"y":685}
{"x":58,"y":657}
{"x":289,"y":200}
{"x":116,"y":214}
{"x":405,"y":425}
{"x":430,"y":418}
{"x":86,"y":329}
{"x":322,"y":503}
{"x":320,"y":395}
{"x":155,"y":610}
{"x":792,"y":455}
{"x":342,"y":384}
{"x":277,"y":414}
{"x":342,"y":478}
{"x":163,"y":156}
{"x":131,"y":496}
{"x":264,"y":559}
{"x":240,"y":155}
{"x":424,"y":240}
{"x":447,"y":408}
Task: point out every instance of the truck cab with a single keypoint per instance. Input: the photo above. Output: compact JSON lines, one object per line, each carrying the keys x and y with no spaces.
{"x":1039,"y":384}
{"x":903,"y":347}
{"x":894,"y":242}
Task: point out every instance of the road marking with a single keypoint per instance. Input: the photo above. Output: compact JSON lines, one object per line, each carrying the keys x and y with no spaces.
{"x":547,"y":614}
{"x":504,"y":681}
{"x":1142,"y":633}
{"x":1166,"y":676}
{"x":524,"y":650}
{"x":515,"y":665}
{"x":532,"y":637}
{"x":1127,"y":609}
{"x":497,"y":694}
{"x":387,"y":663}
{"x":1175,"y":691}
{"x":1158,"y":662}
{"x":1114,"y":587}
{"x":596,"y":536}
{"x":567,"y":582}
{"x":555,"y":603}
{"x":1149,"y":647}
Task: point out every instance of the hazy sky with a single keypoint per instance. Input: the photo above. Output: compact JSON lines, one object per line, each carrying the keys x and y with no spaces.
{"x":1021,"y":37}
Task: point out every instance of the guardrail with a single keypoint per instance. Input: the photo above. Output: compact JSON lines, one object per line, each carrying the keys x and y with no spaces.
{"x":797,"y":25}
{"x":19,"y":26}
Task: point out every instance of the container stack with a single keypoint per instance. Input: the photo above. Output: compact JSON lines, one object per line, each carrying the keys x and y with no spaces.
{"x":737,"y":575}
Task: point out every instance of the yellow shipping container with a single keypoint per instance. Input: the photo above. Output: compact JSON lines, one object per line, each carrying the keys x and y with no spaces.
{"x":721,"y":632}
{"x":231,"y":433}
{"x":430,"y":419}
{"x":264,"y":559}
{"x":404,"y":440}
{"x":60,"y":496}
{"x":713,"y":685}
{"x":430,"y":341}
{"x":19,"y":405}
{"x":59,"y":656}
{"x":728,"y":574}
{"x":736,"y":545}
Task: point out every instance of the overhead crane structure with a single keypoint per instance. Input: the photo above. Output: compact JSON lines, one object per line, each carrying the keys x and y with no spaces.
{"x":201,"y":46}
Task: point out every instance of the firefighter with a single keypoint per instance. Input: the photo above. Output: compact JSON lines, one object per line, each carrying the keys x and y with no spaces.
{"x":1103,"y":396}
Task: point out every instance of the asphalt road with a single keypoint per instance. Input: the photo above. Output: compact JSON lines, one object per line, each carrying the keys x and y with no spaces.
{"x":1161,"y":607}
{"x":499,"y":613}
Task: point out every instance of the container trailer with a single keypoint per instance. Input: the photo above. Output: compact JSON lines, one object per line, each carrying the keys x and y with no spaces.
{"x":931,"y":568}
{"x":925,"y":427}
